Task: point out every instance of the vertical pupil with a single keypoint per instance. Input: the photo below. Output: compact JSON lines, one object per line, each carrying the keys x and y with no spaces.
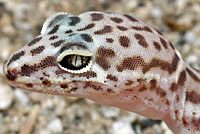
{"x":75,"y":62}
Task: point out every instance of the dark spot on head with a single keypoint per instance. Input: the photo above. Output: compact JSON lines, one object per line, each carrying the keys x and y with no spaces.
{"x":68,"y":31}
{"x":121,"y":28}
{"x":109,"y":40}
{"x":157,"y":45}
{"x":130,"y":18}
{"x":141,"y":40}
{"x":86,"y":37}
{"x":129,"y":82}
{"x":164,"y":65}
{"x":49,"y":61}
{"x":102,"y":57}
{"x":110,"y":90}
{"x":173,"y":87}
{"x":192,"y":75}
{"x":184,"y":122}
{"x":54,"y":30}
{"x":89,"y":26}
{"x":64,"y":86}
{"x":74,"y":20}
{"x":72,"y":89}
{"x":95,"y":87}
{"x":37,"y":50}
{"x":88,"y":74}
{"x":131,"y":63}
{"x":143,"y":88}
{"x":16,"y":57}
{"x":112,"y":77}
{"x":53,"y":37}
{"x":124,"y":41}
{"x":116,"y":19}
{"x":29,"y":85}
{"x":172,"y":46}
{"x":34,"y":41}
{"x":145,"y":28}
{"x":193,"y":97}
{"x":182,"y":78}
{"x":11,"y":75}
{"x":153,"y":84}
{"x":106,"y":29}
{"x":96,"y":16}
{"x":58,"y":43}
{"x":163,"y":42}
{"x":57,"y":19}
{"x":46,"y":82}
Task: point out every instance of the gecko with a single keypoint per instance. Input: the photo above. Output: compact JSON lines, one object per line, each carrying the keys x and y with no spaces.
{"x":115,"y":60}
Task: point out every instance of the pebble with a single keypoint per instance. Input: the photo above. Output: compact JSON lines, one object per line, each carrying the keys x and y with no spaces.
{"x":55,"y":126}
{"x":190,"y":37}
{"x":121,"y":127}
{"x":109,"y":112}
{"x":21,"y":97}
{"x":7,"y":97}
{"x":156,"y":12}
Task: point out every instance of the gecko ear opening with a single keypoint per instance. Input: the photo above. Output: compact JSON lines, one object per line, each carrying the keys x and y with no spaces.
{"x":75,"y":58}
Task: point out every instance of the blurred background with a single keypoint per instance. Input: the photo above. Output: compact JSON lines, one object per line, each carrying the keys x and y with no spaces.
{"x":24,"y":112}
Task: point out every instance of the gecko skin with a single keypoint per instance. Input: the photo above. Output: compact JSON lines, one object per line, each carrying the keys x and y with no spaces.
{"x":113,"y":59}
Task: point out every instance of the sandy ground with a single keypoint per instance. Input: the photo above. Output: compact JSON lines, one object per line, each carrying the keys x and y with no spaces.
{"x":26,"y":112}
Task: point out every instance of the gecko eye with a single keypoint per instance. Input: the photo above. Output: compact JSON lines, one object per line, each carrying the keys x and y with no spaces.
{"x":75,"y":60}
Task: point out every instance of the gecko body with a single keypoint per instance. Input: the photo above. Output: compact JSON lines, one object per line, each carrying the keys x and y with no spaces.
{"x":114,"y":59}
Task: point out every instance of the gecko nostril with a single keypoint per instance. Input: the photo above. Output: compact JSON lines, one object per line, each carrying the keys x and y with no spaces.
{"x":12,"y":75}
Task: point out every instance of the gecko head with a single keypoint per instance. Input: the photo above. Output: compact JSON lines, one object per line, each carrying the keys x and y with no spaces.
{"x":56,"y":62}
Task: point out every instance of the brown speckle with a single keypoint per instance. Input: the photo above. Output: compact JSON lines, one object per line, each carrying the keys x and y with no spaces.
{"x":64,"y":86}
{"x":34,"y":41}
{"x":145,"y":28}
{"x":11,"y":75}
{"x":174,"y":87}
{"x":89,"y":26}
{"x":74,"y":20}
{"x":89,"y":74}
{"x":97,"y":16}
{"x":68,"y":31}
{"x":163,"y":42}
{"x":122,"y":28}
{"x":102,"y":57}
{"x":29,"y":85}
{"x":129,"y":82}
{"x":141,"y":40}
{"x":95,"y":87}
{"x":153,"y":84}
{"x":143,"y":88}
{"x":58,"y":43}
{"x":106,"y":29}
{"x":182,"y":78}
{"x":37,"y":50}
{"x":112,"y":77}
{"x":124,"y":41}
{"x":53,"y":37}
{"x":193,"y":97}
{"x":110,"y":90}
{"x":46,"y":82}
{"x":56,"y":19}
{"x":86,"y":37}
{"x":116,"y":19}
{"x":130,"y":18}
{"x":49,"y":61}
{"x":157,"y":45}
{"x":192,"y":75}
{"x":131,"y":63}
{"x":109,"y":40}
{"x":16,"y":57}
{"x":54,"y":30}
